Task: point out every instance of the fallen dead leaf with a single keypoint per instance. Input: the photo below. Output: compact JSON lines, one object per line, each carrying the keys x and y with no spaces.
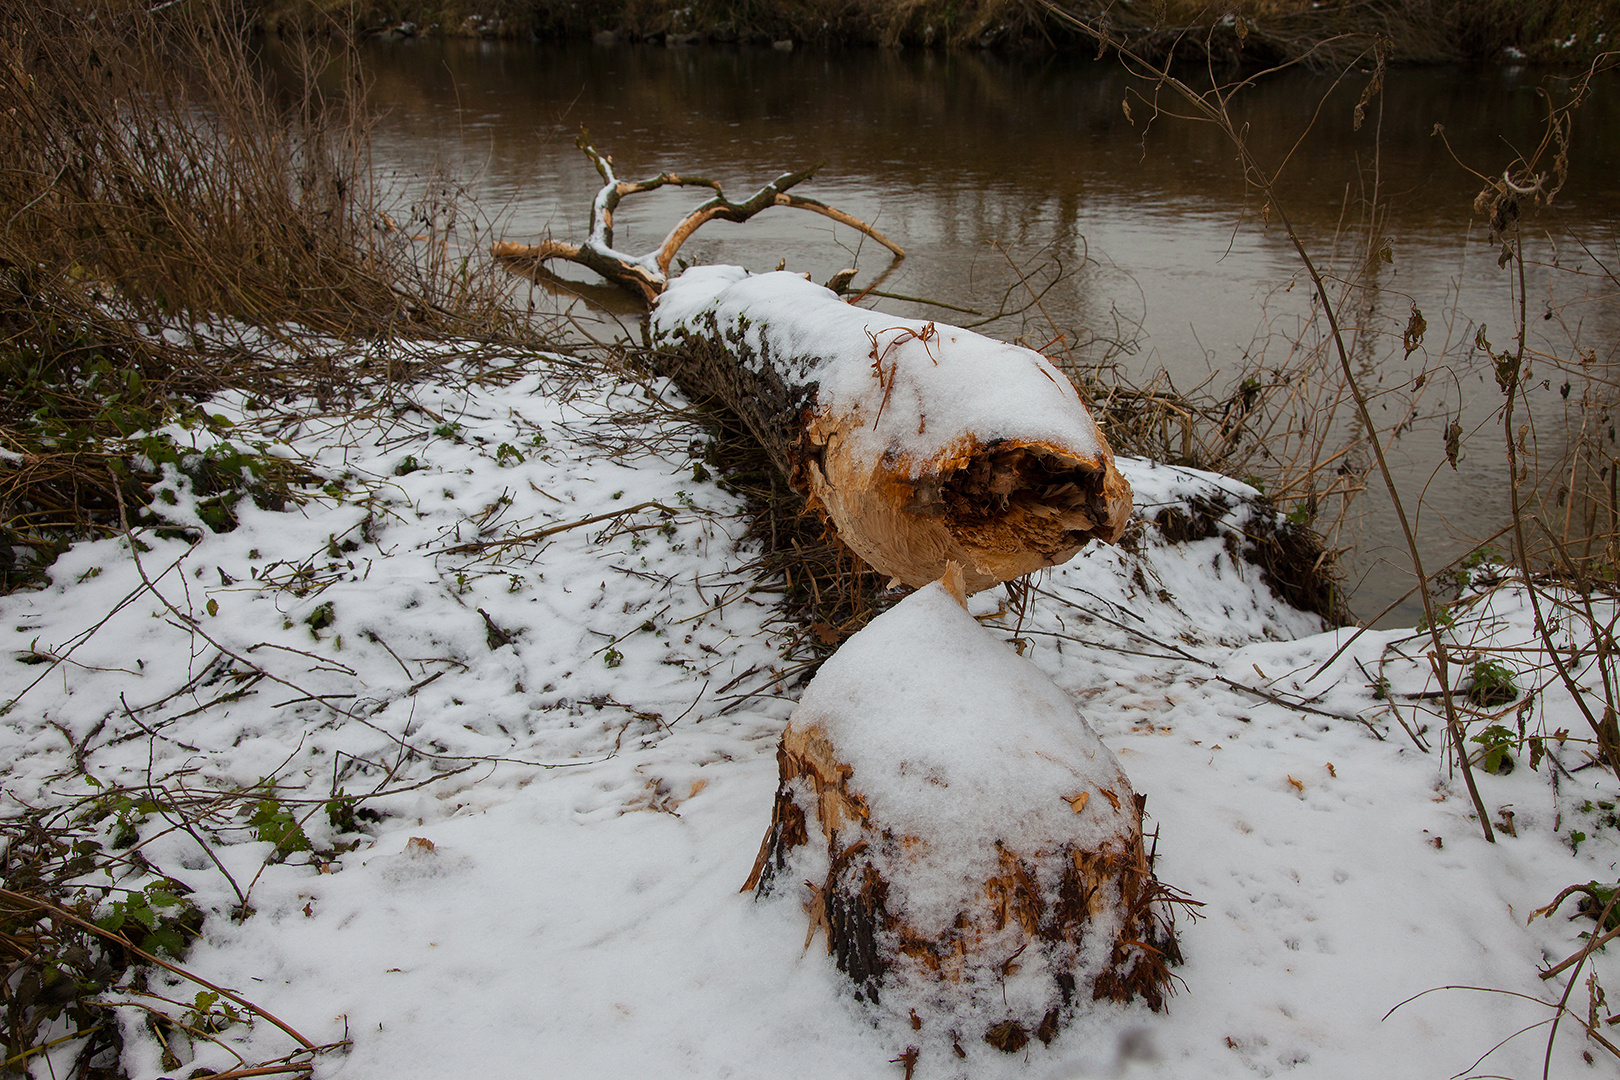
{"x":418,"y":845}
{"x":1078,"y":802}
{"x":1508,"y":825}
{"x":1298,"y":786}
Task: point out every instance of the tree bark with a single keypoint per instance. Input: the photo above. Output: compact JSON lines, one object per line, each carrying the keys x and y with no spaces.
{"x":924,"y":443}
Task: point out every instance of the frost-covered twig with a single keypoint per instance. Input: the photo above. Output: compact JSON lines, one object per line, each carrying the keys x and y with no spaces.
{"x":191,"y":623}
{"x":479,"y":546}
{"x":1302,"y":705}
{"x":59,"y":656}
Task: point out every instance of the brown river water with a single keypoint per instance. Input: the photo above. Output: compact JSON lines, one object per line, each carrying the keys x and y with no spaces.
{"x":981,"y":164}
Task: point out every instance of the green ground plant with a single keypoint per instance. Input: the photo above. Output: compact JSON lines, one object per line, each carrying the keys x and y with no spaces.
{"x":179,"y":220}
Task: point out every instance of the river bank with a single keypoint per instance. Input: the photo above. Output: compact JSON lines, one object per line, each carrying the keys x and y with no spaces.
{"x":1248,"y":33}
{"x":310,"y":693}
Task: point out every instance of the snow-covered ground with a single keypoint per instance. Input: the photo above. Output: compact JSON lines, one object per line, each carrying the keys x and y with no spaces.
{"x":573,"y":740}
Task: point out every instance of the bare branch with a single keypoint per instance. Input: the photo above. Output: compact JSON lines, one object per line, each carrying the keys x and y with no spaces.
{"x":645,"y":276}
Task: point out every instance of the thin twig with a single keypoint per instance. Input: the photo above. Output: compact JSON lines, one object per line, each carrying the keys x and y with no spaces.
{"x":541,"y":534}
{"x":85,"y":924}
{"x":1214,"y":110}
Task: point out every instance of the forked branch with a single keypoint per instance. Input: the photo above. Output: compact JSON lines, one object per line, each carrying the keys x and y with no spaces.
{"x":645,"y":276}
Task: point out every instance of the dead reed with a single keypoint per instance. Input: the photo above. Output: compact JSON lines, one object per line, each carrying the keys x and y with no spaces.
{"x":1490,"y":689}
{"x":150,"y":156}
{"x":176,"y":222}
{"x":827,"y":592}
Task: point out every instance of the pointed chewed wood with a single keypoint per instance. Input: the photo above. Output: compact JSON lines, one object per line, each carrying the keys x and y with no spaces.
{"x":925,"y":444}
{"x":968,"y":849}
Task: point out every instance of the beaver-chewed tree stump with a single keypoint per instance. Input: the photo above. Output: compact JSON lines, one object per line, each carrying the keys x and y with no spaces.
{"x":924,"y":443}
{"x":970,"y":849}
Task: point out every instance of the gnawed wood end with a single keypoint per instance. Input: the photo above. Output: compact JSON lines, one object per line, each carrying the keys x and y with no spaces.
{"x":1002,"y":509}
{"x":970,"y":849}
{"x":923,"y":443}
{"x":1041,"y":909}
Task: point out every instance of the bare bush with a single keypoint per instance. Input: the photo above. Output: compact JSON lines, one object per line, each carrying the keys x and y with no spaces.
{"x":154,"y":176}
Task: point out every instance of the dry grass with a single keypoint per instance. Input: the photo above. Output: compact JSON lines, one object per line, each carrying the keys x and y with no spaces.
{"x":828,"y":593}
{"x":148,"y":156}
{"x":174,"y":224}
{"x":1562,"y":534}
{"x":153,"y":176}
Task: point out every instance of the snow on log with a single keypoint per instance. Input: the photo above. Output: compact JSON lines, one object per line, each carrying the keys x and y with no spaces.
{"x":970,"y":849}
{"x":924,"y":443}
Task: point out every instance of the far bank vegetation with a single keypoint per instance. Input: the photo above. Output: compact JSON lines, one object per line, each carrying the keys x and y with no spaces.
{"x":1247,"y":32}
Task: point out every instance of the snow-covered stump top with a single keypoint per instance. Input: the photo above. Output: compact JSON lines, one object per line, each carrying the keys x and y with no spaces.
{"x":925,"y":443}
{"x":972,"y":851}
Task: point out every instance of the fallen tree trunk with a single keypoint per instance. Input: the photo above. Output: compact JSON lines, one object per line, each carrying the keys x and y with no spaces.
{"x":924,"y":443}
{"x":970,"y":849}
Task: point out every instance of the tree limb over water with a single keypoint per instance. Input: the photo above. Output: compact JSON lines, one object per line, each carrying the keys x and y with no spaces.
{"x":645,"y":276}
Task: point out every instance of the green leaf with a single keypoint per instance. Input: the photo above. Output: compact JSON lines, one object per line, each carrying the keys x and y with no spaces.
{"x":144,"y":915}
{"x":275,"y":824}
{"x":165,"y":940}
{"x":322,"y":617}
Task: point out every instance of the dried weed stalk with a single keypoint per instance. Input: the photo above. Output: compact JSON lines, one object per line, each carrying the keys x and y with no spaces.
{"x":176,"y":222}
{"x":1564,"y":563}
